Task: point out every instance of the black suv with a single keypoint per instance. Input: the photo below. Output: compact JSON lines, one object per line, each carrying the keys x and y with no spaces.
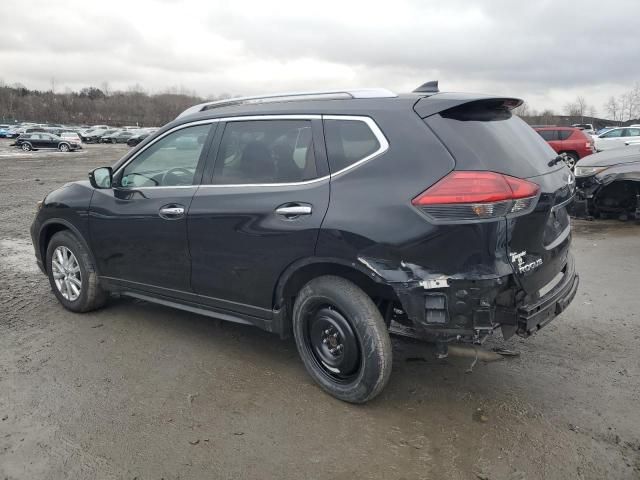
{"x":37,"y":141}
{"x":336,"y":217}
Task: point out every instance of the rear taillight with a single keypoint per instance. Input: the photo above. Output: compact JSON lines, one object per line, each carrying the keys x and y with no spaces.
{"x":468,"y":195}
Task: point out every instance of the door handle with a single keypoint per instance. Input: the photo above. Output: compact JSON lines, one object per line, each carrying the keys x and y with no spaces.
{"x":294,"y":211}
{"x":171,"y":212}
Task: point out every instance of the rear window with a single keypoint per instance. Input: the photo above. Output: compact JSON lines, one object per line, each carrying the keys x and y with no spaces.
{"x":564,"y":134}
{"x":482,"y":136}
{"x":348,"y":142}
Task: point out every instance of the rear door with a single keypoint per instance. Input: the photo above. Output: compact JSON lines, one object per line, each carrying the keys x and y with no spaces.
{"x":261,"y":210}
{"x":483,"y":136}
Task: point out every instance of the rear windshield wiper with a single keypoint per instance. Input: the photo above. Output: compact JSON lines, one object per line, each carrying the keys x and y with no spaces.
{"x":556,"y":160}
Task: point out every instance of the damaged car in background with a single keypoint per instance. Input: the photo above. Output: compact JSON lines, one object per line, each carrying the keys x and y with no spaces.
{"x":336,"y":217}
{"x":608,"y":184}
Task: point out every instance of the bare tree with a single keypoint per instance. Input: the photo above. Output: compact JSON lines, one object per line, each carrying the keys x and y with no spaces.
{"x":613,"y":108}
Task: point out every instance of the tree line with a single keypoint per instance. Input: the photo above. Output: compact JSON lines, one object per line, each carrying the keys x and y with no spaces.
{"x":92,"y":105}
{"x":621,"y":110}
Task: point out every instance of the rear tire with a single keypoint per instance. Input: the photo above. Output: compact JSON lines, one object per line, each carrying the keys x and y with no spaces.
{"x":72,"y":275}
{"x":342,"y":339}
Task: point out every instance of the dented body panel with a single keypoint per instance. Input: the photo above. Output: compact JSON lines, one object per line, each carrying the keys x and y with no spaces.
{"x":615,"y":186}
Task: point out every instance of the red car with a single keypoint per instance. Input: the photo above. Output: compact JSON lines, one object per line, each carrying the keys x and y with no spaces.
{"x":572,"y":143}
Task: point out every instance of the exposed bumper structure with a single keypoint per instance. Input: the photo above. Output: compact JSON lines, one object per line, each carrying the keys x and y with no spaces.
{"x":469,"y":310}
{"x":532,"y":317}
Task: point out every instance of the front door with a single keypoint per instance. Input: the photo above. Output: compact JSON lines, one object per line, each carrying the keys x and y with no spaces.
{"x":139,"y":228}
{"x":261,"y":210}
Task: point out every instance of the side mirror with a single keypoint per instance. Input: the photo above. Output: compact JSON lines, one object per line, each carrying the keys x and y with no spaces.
{"x":101,"y":177}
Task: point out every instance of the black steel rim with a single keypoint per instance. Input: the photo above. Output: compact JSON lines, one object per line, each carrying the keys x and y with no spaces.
{"x":332,"y":343}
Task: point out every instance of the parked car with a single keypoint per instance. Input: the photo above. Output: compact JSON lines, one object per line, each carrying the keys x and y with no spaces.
{"x":4,"y":130}
{"x":94,"y":136}
{"x":72,"y":137}
{"x":586,"y":127}
{"x":119,"y":136}
{"x":42,"y":140}
{"x":569,"y":142}
{"x":435,"y":215}
{"x":616,"y":138}
{"x":137,"y":138}
{"x":608,"y":183}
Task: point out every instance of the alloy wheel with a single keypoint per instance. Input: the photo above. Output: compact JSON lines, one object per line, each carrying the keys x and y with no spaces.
{"x":66,"y":273}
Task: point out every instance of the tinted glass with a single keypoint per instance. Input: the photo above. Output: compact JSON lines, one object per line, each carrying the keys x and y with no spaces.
{"x":171,"y":161}
{"x":632,"y":132}
{"x":613,"y":133}
{"x":548,"y":134}
{"x":348,"y":141}
{"x":564,"y":134}
{"x":265,"y":151}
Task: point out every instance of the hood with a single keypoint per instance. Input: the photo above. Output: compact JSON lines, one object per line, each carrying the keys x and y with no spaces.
{"x":607,"y":158}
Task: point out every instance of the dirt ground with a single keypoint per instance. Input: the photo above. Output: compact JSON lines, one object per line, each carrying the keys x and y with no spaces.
{"x":142,"y":391}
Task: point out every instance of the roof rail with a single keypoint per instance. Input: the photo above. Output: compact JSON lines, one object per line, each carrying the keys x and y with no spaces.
{"x":292,"y":96}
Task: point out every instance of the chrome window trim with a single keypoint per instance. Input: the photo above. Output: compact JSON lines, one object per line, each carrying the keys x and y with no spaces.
{"x":373,"y":126}
{"x":155,"y":140}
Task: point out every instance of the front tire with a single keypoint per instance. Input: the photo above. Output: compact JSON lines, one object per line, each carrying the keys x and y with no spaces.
{"x":63,"y":147}
{"x":342,"y":339}
{"x":26,"y":147}
{"x":570,"y":159}
{"x":72,"y":275}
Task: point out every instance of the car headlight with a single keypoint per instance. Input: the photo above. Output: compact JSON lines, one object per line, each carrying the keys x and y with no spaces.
{"x":587,"y":171}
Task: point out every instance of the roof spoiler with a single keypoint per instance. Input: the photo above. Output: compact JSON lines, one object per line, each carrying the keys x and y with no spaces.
{"x":444,"y":101}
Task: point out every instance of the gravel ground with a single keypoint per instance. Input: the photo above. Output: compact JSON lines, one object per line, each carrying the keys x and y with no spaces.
{"x":141,"y":391}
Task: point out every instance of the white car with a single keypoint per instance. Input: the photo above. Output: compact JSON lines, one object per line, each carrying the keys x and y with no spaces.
{"x":72,"y":137}
{"x":616,"y":138}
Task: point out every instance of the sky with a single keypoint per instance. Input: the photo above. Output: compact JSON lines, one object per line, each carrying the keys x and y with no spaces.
{"x":546,"y":52}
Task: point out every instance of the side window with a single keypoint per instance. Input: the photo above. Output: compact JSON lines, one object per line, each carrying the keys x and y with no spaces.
{"x":265,"y":151}
{"x":632,"y":132}
{"x":564,"y":134}
{"x":348,"y":141}
{"x":613,"y":133}
{"x":169,"y":162}
{"x":548,"y":135}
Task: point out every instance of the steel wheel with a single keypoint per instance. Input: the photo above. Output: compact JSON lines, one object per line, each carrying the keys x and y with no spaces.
{"x":333,"y":343}
{"x":66,"y":273}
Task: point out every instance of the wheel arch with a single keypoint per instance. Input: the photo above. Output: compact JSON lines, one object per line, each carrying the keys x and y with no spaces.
{"x":53,"y":226}
{"x":302,"y":271}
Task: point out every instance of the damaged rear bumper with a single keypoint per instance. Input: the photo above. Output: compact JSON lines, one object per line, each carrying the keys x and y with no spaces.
{"x":534,"y":316}
{"x":469,"y":310}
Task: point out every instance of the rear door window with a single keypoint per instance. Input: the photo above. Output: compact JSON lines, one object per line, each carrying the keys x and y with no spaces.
{"x":564,"y":134}
{"x":548,"y":135}
{"x":265,"y":152}
{"x":348,"y":142}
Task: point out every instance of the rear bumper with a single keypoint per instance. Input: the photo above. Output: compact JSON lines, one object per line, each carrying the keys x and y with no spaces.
{"x":532,"y":317}
{"x":468,"y":310}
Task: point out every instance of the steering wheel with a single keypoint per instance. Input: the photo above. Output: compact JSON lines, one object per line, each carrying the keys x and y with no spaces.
{"x":155,"y":182}
{"x":178,"y":173}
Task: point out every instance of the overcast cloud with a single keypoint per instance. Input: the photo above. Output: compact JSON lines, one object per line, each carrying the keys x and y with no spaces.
{"x":546,"y":52}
